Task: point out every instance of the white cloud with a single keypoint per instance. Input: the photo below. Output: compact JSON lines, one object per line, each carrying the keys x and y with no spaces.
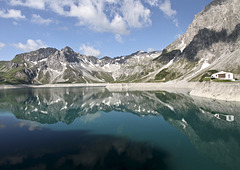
{"x":115,"y":16}
{"x":175,"y":21}
{"x":92,"y":14}
{"x":119,"y":25}
{"x":164,"y":5}
{"x":39,"y":20}
{"x":31,"y":45}
{"x":11,"y":13}
{"x":152,"y":2}
{"x":90,"y":51}
{"x":2,"y":45}
{"x":36,"y":4}
{"x":15,"y":23}
{"x":151,"y":50}
{"x":118,"y":38}
{"x":112,"y":1}
{"x":167,"y":9}
{"x":178,"y":36}
{"x":135,"y":14}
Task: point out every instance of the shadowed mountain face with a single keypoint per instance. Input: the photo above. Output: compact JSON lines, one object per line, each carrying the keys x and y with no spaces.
{"x":206,"y":38}
{"x":194,"y":117}
{"x":46,"y":149}
{"x":210,"y":43}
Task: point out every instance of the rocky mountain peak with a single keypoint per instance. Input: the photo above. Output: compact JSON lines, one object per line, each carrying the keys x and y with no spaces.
{"x":67,"y":49}
{"x":211,"y":43}
{"x":217,"y":16}
{"x":105,"y":60}
{"x":213,"y":3}
{"x":35,"y":56}
{"x":69,"y":54}
{"x":47,"y":51}
{"x":212,"y":38}
{"x":138,"y":52}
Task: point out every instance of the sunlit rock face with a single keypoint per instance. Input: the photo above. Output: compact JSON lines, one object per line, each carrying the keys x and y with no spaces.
{"x":211,"y":43}
{"x":49,"y":65}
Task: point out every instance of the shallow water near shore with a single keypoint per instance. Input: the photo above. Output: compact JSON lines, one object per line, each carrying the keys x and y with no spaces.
{"x":92,"y":128}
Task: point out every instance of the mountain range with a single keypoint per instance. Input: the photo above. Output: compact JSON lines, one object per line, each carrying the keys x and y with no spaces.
{"x":210,"y":44}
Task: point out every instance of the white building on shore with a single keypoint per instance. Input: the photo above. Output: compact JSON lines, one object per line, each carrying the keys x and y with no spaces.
{"x":222,"y":75}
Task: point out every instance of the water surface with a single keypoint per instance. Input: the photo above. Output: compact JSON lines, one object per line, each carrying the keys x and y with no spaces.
{"x":92,"y":128}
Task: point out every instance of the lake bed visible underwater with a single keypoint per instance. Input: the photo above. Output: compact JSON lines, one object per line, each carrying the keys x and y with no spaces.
{"x":92,"y":128}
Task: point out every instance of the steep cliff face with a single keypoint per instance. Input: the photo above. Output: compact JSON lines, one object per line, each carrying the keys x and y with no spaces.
{"x":213,"y":36}
{"x":219,"y":15}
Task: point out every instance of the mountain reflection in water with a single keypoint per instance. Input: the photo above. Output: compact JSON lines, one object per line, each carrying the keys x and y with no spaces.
{"x":46,"y":149}
{"x":30,"y":143}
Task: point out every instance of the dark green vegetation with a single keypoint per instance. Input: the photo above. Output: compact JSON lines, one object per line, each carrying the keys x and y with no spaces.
{"x":218,"y":80}
{"x":205,"y":76}
{"x":166,"y":75}
{"x":11,"y":77}
{"x":167,"y":56}
{"x":3,"y":63}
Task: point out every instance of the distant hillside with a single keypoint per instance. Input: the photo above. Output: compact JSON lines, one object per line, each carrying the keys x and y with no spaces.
{"x":49,"y":65}
{"x":211,"y":44}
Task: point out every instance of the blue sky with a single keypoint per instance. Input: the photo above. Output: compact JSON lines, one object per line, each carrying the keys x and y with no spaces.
{"x":93,"y":27}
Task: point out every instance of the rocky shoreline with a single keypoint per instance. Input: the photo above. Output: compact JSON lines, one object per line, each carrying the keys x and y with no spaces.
{"x":226,"y":91}
{"x":51,"y":85}
{"x":169,"y":86}
{"x":176,"y":87}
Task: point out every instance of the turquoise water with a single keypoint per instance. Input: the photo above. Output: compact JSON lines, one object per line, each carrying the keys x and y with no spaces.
{"x":92,"y":128}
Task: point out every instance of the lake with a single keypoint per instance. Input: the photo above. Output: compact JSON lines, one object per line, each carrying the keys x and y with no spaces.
{"x":92,"y":128}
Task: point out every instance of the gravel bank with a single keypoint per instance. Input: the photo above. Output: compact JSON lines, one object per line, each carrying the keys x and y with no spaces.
{"x":213,"y":90}
{"x":216,"y":90}
{"x":52,"y":85}
{"x":181,"y":87}
{"x":170,"y":86}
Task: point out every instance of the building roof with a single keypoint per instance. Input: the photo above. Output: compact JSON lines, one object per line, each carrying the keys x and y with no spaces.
{"x":222,"y":72}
